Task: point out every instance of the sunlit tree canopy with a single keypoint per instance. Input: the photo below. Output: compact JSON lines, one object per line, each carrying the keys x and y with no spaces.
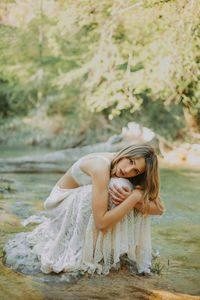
{"x":81,"y":58}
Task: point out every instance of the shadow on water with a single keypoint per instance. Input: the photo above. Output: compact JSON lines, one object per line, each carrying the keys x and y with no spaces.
{"x":175,"y":238}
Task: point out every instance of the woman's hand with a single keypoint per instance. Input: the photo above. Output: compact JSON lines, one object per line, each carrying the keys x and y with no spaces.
{"x":151,"y":208}
{"x":118,"y":195}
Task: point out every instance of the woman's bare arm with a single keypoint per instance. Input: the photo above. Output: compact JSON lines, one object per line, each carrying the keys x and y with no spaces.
{"x":119,"y":195}
{"x":100,"y":173}
{"x":153,"y":209}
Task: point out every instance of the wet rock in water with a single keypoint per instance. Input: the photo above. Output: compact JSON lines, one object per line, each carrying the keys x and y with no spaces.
{"x":21,"y":209}
{"x":116,"y":285}
{"x":128,"y":264}
{"x":18,"y":255}
{"x":8,"y":221}
{"x":61,"y":279}
{"x":8,"y":186}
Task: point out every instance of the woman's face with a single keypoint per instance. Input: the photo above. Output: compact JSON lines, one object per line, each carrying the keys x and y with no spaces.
{"x":130,"y":167}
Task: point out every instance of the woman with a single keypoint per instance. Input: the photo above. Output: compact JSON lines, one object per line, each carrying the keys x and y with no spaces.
{"x":91,"y":225}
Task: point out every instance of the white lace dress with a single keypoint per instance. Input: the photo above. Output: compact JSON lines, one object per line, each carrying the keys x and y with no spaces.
{"x":69,"y":241}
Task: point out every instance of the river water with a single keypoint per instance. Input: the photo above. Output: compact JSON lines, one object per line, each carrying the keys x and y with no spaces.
{"x":175,"y":239}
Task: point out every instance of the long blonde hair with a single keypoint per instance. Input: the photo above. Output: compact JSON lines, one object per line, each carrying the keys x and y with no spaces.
{"x":150,"y":179}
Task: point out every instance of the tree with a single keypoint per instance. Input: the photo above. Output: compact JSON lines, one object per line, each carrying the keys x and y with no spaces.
{"x":81,"y":58}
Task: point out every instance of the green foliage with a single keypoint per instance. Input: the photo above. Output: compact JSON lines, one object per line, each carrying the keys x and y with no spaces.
{"x":158,"y":267}
{"x":82,"y":59}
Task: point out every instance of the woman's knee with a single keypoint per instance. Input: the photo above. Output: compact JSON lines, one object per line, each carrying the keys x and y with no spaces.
{"x":120,"y":182}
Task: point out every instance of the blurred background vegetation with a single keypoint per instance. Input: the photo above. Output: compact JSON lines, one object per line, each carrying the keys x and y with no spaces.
{"x":82,"y":70}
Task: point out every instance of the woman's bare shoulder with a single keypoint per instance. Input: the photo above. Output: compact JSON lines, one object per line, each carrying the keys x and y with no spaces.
{"x":94,"y":164}
{"x":109,"y":155}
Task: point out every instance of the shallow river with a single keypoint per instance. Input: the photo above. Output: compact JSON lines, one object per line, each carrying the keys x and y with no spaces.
{"x":175,"y":239}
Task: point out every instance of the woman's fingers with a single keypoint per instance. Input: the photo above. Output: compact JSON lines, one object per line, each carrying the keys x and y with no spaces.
{"x":126,"y":189}
{"x":118,"y":189}
{"x":117,"y":192}
{"x":123,"y":191}
{"x":139,"y":187}
{"x":118,"y":195}
{"x":115,"y":202}
{"x":115,"y":197}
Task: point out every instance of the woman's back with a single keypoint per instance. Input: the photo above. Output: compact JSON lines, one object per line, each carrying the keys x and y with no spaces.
{"x":78,"y":174}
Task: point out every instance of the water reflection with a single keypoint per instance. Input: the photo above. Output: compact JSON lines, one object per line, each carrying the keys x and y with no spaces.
{"x":175,"y":235}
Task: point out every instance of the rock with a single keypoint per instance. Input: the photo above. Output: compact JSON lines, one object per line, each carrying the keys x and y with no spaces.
{"x":21,"y":209}
{"x":165,"y":295}
{"x":19,"y":256}
{"x":58,"y":161}
{"x":114,"y":139}
{"x":8,"y":221}
{"x":137,"y":134}
{"x":128,"y":264}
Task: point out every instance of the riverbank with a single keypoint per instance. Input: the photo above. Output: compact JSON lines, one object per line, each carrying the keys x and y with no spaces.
{"x":25,"y":138}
